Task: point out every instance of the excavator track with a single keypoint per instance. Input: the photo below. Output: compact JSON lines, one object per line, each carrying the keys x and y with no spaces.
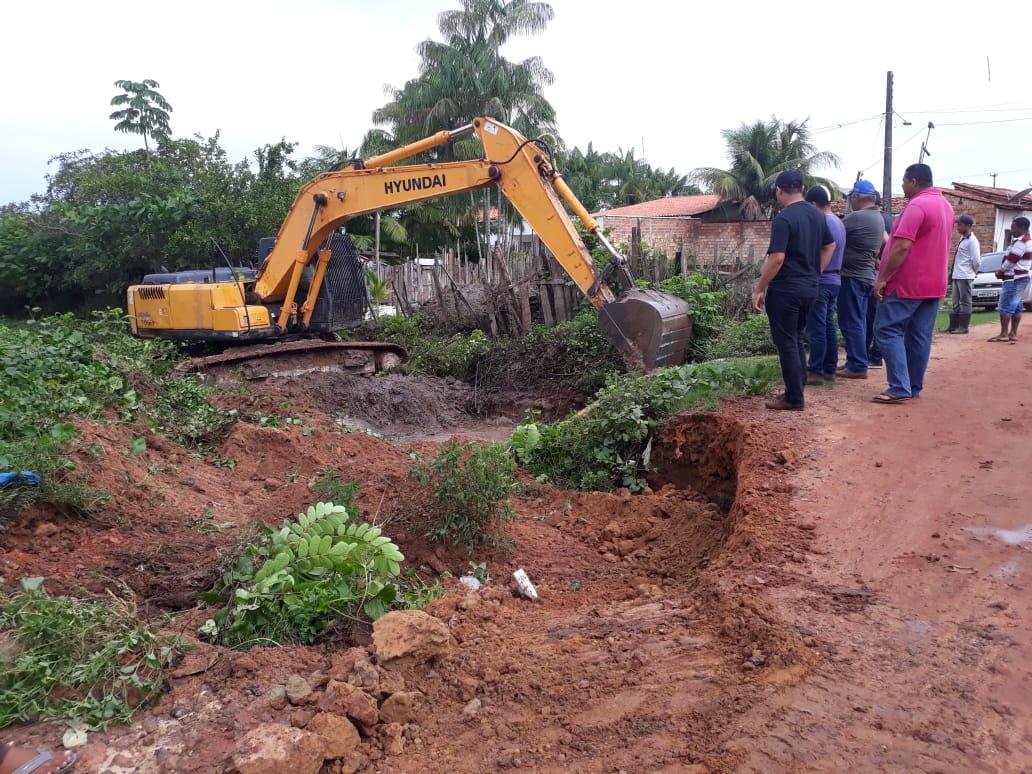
{"x":295,"y":358}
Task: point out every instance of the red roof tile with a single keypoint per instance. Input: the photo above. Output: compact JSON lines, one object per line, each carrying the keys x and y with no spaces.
{"x":992,"y":195}
{"x":667,"y":207}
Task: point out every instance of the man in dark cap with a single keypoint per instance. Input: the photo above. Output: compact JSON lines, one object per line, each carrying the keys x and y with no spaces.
{"x":911,"y":283}
{"x":801,"y":246}
{"x":820,"y":322}
{"x":965,"y":268}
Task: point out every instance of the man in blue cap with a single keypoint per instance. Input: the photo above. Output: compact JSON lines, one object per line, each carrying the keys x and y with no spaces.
{"x":865,"y":236}
{"x":801,"y":246}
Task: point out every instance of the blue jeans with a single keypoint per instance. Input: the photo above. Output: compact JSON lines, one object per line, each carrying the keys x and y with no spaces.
{"x":903,"y":330}
{"x":786,"y":314}
{"x":852,"y":318}
{"x":1011,"y":295}
{"x":820,"y":332}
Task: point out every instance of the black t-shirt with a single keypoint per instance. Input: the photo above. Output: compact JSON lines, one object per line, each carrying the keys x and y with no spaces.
{"x":799,"y":231}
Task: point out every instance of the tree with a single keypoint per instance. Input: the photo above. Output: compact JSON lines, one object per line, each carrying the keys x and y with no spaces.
{"x":759,"y":152}
{"x":604,"y":180}
{"x":146,"y":111}
{"x":466,"y":75}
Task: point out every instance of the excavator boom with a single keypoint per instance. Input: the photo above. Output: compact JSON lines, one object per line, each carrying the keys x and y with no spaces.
{"x":650,"y":328}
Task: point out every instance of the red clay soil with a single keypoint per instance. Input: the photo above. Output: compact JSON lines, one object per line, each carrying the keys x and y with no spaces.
{"x":843,"y":588}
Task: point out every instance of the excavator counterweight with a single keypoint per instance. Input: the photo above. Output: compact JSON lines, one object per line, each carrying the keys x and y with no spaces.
{"x":309,"y":282}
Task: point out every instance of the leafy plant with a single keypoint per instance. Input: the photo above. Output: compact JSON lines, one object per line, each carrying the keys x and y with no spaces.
{"x":605,"y":444}
{"x":742,"y":338}
{"x":479,"y":571}
{"x":470,"y":487}
{"x":316,"y":570}
{"x":86,"y":660}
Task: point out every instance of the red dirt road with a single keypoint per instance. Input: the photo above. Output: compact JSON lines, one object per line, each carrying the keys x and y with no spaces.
{"x":925,"y":509}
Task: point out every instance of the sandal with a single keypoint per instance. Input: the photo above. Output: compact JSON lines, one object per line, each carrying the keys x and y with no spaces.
{"x":998,"y":338}
{"x":22,"y":760}
{"x":886,"y":398}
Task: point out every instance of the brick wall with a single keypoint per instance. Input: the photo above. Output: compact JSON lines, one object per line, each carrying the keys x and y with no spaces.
{"x":984,"y":214}
{"x":707,"y":242}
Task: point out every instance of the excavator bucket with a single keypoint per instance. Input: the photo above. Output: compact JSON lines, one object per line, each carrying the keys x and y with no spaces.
{"x":650,"y":328}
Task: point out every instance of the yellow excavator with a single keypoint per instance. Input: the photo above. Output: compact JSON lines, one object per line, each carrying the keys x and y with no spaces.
{"x":309,"y":282}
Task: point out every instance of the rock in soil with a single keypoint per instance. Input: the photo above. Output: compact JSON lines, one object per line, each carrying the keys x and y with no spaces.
{"x":403,"y":707}
{"x":345,"y":699}
{"x":298,"y":690}
{"x":339,"y":734}
{"x":273,"y":749}
{"x":365,"y":676}
{"x":472,"y":708}
{"x":393,"y":737}
{"x":277,"y":697}
{"x":409,"y":635}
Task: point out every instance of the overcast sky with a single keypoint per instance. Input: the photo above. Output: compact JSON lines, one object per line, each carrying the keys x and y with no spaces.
{"x":661,"y":77}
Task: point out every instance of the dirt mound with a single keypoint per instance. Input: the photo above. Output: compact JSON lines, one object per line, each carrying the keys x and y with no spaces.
{"x":392,"y":404}
{"x":647,"y":640}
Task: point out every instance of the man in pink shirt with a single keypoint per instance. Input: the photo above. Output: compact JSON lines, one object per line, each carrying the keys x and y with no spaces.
{"x":911,"y":283}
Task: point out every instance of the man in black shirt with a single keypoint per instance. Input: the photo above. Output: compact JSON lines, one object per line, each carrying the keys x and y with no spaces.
{"x":800,"y":247}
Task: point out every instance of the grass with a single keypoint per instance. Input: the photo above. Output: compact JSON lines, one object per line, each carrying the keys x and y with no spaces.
{"x":88,"y":661}
{"x":942,"y":320}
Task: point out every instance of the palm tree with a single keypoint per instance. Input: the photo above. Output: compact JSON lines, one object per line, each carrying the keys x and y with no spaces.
{"x":603,"y":180}
{"x":466,"y":75}
{"x":759,"y":152}
{"x":146,"y":111}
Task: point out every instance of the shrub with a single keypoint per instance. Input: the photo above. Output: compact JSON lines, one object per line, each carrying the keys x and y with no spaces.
{"x":316,"y":570}
{"x":605,"y":444}
{"x":470,"y":488}
{"x":86,"y":660}
{"x":704,"y":305}
{"x":742,"y":338}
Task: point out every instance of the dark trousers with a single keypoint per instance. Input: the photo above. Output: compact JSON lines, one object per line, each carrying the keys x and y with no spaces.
{"x":874,"y":355}
{"x":786,"y":313}
{"x":820,"y":331}
{"x":853,"y":301}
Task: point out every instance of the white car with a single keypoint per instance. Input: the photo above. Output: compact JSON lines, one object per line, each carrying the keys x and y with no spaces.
{"x":985,"y":290}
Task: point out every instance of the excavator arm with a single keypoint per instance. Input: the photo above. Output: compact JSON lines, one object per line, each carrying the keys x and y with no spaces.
{"x":650,"y":328}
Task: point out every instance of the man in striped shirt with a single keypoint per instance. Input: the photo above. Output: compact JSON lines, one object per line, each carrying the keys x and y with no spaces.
{"x":1017,"y":264}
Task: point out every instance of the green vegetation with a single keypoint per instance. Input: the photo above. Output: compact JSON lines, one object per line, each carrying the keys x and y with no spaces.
{"x":606,"y":444}
{"x":470,"y":486}
{"x":60,"y":367}
{"x":334,"y":490}
{"x":741,"y":338}
{"x":942,"y":320}
{"x":145,"y":111}
{"x":759,"y":152}
{"x":84,"y":660}
{"x":317,"y":570}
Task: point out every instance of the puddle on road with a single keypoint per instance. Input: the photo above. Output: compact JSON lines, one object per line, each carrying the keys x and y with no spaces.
{"x":1012,"y":537}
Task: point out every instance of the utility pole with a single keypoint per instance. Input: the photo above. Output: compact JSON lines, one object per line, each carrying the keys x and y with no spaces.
{"x":887,"y":170}
{"x":924,"y":145}
{"x":993,"y":176}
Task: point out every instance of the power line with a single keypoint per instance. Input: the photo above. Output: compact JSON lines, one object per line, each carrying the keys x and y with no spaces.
{"x":974,"y":110}
{"x":997,"y":121}
{"x":845,"y":123}
{"x":966,"y":108}
{"x":911,"y":138}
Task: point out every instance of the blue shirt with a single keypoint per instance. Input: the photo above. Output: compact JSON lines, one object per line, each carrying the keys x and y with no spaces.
{"x":830,"y":276}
